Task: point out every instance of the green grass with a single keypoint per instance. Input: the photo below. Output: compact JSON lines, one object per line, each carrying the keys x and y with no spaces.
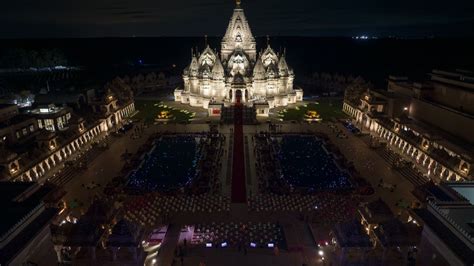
{"x":149,"y":110}
{"x":327,"y":109}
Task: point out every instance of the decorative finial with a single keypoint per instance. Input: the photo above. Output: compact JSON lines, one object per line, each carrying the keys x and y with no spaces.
{"x":268,"y":40}
{"x":238,"y":2}
{"x":205,"y":40}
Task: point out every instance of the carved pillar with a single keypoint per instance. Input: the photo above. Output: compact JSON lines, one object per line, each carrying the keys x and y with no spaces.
{"x":93,"y":255}
{"x":58,"y":253}
{"x":114,"y":253}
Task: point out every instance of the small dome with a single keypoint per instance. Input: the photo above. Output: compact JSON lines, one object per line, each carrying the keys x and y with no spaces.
{"x":193,"y":67}
{"x":218,"y":70}
{"x":207,"y":57}
{"x":283,"y":66}
{"x":205,"y":71}
{"x":272,"y":71}
{"x":259,"y":70}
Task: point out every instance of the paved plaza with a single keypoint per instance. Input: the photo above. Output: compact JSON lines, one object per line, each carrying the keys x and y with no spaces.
{"x":301,"y":240}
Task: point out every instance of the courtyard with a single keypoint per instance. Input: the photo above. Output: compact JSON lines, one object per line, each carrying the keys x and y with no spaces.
{"x":205,"y":215}
{"x":319,"y":110}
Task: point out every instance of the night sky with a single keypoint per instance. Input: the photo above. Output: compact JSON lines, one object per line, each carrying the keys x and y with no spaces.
{"x":127,"y":18}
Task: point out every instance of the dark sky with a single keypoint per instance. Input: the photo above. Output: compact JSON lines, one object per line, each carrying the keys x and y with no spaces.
{"x":125,"y":18}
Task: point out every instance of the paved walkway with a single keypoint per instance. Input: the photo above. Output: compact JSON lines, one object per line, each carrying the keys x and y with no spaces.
{"x":238,"y":162}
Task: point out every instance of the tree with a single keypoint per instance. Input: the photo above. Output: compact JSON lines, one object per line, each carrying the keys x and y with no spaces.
{"x":355,"y":89}
{"x":22,"y":58}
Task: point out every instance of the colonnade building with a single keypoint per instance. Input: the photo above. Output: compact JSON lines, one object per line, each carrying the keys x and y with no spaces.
{"x":431,"y":122}
{"x":33,"y":142}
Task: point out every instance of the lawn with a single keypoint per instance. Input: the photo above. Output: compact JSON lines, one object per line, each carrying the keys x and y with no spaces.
{"x":327,"y":110}
{"x":149,"y":110}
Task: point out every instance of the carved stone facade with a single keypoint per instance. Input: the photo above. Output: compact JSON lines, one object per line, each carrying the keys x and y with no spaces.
{"x":238,"y":73}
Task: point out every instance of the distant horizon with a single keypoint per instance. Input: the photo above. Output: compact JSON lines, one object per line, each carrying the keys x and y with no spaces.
{"x":92,"y":19}
{"x":388,"y":37}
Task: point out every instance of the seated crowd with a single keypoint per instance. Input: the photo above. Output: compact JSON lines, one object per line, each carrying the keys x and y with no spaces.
{"x":202,"y":178}
{"x":238,"y":234}
{"x":299,"y":163}
{"x":324,"y":207}
{"x":146,"y":210}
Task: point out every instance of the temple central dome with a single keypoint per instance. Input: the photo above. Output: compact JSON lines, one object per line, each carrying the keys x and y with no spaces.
{"x":266,"y":78}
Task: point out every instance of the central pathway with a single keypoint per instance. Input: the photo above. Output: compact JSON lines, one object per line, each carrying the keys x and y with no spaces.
{"x":238,"y":163}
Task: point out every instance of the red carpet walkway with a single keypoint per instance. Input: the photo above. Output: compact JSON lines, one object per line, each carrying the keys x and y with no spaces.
{"x":238,"y":166}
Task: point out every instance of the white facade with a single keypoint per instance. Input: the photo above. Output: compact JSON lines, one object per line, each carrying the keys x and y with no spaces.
{"x":238,"y":73}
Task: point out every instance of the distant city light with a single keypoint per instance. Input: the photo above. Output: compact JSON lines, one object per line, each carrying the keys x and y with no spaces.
{"x":224,"y":244}
{"x":271,"y":245}
{"x":252,"y":244}
{"x":208,"y":245}
{"x":364,"y":37}
{"x":321,"y":252}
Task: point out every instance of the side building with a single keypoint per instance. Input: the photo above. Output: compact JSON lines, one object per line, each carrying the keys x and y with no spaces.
{"x":26,"y":224}
{"x":36,"y":140}
{"x":430,"y":123}
{"x":448,"y":228}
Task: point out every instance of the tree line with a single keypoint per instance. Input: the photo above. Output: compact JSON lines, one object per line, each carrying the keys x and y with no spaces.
{"x":26,"y":58}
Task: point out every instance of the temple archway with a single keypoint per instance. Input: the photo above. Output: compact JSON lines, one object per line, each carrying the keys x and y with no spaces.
{"x":238,"y":96}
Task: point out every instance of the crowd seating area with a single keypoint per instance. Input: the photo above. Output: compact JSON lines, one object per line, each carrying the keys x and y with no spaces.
{"x":147,"y":209}
{"x":326,"y":207}
{"x":235,"y":234}
{"x":298,"y":163}
{"x":186,"y":163}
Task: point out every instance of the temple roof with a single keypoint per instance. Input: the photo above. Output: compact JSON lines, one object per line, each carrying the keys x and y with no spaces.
{"x":259,"y":70}
{"x":393,"y":233}
{"x":351,"y":234}
{"x":238,"y":25}
{"x":376,"y":211}
{"x":283,"y":66}
{"x":218,"y":69}
{"x":125,"y":234}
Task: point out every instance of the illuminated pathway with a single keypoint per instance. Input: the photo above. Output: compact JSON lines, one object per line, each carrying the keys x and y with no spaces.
{"x":238,"y":165}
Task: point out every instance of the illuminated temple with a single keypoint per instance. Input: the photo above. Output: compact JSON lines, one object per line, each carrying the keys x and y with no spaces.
{"x":238,"y":73}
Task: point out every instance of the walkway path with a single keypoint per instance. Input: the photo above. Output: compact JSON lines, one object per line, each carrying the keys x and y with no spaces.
{"x":166,"y":253}
{"x":238,"y":165}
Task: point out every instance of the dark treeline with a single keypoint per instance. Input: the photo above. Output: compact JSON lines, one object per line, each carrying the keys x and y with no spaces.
{"x":32,"y":58}
{"x":372,"y":59}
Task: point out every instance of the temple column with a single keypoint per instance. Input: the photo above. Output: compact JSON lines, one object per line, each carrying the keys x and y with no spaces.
{"x":58,"y":253}
{"x":93,"y":255}
{"x":114,"y":253}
